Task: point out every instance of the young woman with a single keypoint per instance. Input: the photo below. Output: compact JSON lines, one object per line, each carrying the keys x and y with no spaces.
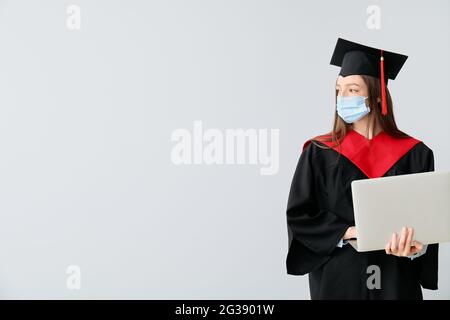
{"x":364,"y":143}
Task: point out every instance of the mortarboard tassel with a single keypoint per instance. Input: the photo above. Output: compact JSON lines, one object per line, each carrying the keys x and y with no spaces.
{"x":383,"y":87}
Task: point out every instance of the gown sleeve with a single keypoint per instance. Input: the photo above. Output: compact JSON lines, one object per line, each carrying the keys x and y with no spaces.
{"x":427,"y":264}
{"x":313,"y":232}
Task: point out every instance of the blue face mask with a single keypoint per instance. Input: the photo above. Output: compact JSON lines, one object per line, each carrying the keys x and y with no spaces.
{"x":351,"y":108}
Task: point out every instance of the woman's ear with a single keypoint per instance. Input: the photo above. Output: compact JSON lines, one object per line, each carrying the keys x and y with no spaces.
{"x":378,"y":99}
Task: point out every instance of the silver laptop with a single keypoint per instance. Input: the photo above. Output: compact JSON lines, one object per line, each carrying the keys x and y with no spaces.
{"x":384,"y":205}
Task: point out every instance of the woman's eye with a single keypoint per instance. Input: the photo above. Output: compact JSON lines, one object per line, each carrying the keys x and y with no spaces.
{"x":353,"y":90}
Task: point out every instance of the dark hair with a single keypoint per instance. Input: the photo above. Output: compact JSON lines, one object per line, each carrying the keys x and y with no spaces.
{"x":387,"y":122}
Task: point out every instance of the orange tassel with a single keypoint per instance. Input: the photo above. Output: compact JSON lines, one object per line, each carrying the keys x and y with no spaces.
{"x":383,"y":87}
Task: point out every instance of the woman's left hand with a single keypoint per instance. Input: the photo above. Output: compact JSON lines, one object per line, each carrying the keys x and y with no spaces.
{"x":404,"y":245}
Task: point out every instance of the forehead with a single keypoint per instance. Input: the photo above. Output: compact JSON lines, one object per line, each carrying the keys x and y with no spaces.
{"x":342,"y":81}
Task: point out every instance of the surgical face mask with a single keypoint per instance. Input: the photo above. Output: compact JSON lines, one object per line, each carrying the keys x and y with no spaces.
{"x":351,"y":108}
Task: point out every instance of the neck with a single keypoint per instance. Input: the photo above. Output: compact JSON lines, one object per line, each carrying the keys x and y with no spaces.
{"x":367,"y":127}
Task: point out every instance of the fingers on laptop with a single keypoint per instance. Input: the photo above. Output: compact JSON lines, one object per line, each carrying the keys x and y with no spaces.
{"x":403,"y":245}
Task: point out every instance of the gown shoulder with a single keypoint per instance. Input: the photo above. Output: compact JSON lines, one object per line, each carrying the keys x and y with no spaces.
{"x":313,"y":141}
{"x":421,"y":156}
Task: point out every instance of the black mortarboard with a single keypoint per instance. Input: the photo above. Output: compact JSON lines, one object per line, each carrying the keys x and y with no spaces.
{"x":355,"y":58}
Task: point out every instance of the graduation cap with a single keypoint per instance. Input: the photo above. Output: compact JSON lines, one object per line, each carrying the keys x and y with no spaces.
{"x":355,"y":58}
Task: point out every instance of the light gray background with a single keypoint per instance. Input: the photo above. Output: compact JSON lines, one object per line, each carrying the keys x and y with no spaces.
{"x":86,"y":119}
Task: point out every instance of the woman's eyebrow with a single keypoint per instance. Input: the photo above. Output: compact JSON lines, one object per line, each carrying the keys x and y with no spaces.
{"x":349,"y":84}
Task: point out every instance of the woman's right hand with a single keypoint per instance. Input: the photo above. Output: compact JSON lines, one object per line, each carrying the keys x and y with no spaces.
{"x":350,"y":233}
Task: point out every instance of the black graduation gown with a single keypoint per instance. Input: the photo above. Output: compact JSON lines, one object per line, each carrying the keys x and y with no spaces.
{"x":320,"y":210}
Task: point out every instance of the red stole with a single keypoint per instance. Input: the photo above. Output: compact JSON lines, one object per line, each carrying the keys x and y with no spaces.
{"x":373,"y":157}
